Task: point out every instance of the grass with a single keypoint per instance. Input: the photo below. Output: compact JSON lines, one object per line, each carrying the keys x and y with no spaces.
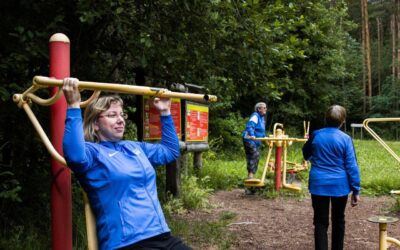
{"x":379,"y":170}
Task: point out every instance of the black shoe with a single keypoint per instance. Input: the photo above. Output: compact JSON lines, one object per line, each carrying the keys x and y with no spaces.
{"x":249,"y":192}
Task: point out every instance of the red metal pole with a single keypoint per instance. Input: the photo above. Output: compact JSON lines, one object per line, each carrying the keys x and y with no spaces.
{"x":278,"y":164}
{"x":61,"y":197}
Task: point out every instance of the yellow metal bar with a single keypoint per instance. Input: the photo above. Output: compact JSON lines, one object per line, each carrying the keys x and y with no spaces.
{"x":379,"y":139}
{"x":275,"y":139}
{"x":382,"y":236}
{"x":90,"y":224}
{"x":284,"y":184}
{"x":264,"y":174}
{"x":393,"y":241}
{"x":42,"y":81}
{"x":260,"y":182}
{"x":53,"y":152}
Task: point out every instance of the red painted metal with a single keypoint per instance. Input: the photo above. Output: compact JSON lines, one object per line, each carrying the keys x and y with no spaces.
{"x":278,"y":167}
{"x":61,"y":197}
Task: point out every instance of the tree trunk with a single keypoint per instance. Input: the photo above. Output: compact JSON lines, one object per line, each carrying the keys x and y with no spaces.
{"x":393,"y":33}
{"x":367,"y":53}
{"x":363,"y":57}
{"x":379,"y":50}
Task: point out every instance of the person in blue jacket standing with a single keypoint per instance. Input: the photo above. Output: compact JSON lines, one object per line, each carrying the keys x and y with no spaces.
{"x":118,"y":175}
{"x":333,"y":176}
{"x":255,"y":128}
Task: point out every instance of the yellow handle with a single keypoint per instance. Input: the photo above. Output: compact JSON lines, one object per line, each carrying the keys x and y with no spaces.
{"x":43,"y":81}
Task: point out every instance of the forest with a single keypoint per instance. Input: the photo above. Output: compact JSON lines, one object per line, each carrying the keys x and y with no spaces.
{"x":298,"y":56}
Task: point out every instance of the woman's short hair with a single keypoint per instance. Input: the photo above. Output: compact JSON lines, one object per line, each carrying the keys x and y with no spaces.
{"x":335,"y":116}
{"x":92,"y":113}
{"x":259,"y":105}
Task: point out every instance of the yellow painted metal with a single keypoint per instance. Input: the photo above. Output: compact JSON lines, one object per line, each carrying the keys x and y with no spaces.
{"x":306,"y":125}
{"x":42,"y":81}
{"x":380,"y":140}
{"x":391,"y":240}
{"x":382,"y":236}
{"x":90,"y":224}
{"x":49,"y":146}
{"x":377,"y":137}
{"x":384,"y":240}
{"x":284,"y":184}
{"x":260,"y":182}
{"x":277,"y":139}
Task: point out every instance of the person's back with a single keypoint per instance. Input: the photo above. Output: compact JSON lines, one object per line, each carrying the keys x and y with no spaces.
{"x":334,"y":174}
{"x":332,"y":156}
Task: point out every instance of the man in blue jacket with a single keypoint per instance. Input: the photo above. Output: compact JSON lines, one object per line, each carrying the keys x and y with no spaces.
{"x":255,"y":128}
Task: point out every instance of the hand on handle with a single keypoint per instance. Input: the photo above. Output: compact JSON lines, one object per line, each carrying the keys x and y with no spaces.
{"x":163,"y":105}
{"x":71,"y":92}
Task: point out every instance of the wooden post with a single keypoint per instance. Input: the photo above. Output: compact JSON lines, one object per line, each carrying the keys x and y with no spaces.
{"x":197,"y":161}
{"x":173,"y":178}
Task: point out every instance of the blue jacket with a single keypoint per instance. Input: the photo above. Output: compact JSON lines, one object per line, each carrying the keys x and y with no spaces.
{"x":254,"y":127}
{"x":334,"y":169}
{"x":120,"y":181}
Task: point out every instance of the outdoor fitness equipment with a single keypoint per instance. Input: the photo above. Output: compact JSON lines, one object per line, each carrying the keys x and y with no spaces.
{"x":280,"y":141}
{"x":384,"y":240}
{"x":379,"y":139}
{"x":25,"y":100}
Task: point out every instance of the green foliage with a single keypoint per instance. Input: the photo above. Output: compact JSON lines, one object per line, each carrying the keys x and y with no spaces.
{"x":396,"y":205}
{"x":195,"y":192}
{"x":387,"y":105}
{"x":227,"y":131}
{"x":173,"y":206}
{"x":10,"y":187}
{"x":222,"y":173}
{"x":200,"y":233}
{"x":194,"y":195}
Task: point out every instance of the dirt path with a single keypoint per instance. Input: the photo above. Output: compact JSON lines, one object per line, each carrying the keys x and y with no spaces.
{"x":286,"y":223}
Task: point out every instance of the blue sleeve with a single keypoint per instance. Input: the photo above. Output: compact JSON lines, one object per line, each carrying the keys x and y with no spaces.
{"x":251,"y":126}
{"x":307,"y":148}
{"x":352,"y":168}
{"x":168,"y":149}
{"x":74,"y":141}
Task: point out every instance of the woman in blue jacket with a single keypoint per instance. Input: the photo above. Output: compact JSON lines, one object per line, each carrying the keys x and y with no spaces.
{"x":334,"y":174}
{"x":118,"y":175}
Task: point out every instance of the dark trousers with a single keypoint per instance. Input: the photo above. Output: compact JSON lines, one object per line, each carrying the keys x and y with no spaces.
{"x":252,"y":156}
{"x":163,"y":241}
{"x":320,"y":205}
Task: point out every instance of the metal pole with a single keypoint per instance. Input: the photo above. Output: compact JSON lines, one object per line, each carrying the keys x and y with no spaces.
{"x":278,"y":167}
{"x":61,"y":197}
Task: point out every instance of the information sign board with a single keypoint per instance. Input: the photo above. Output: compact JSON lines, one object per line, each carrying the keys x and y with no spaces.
{"x":196,"y":122}
{"x":152,"y":122}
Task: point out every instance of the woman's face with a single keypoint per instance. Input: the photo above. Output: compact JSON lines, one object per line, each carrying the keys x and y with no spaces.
{"x":110,"y":124}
